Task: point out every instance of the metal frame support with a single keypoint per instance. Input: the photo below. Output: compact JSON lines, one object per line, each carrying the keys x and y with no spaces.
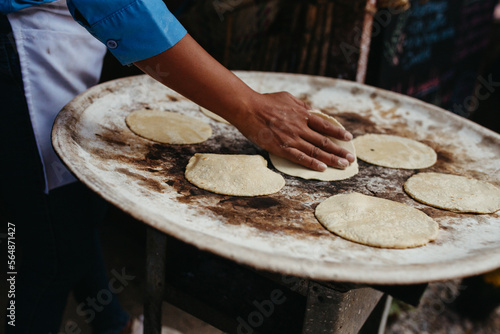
{"x":333,"y":312}
{"x":156,"y":251}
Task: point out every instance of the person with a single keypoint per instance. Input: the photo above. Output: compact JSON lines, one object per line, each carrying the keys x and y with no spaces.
{"x":55,"y":219}
{"x":52,"y":61}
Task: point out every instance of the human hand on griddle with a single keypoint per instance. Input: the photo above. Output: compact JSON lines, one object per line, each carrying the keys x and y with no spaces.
{"x":282,"y":124}
{"x":277,"y":122}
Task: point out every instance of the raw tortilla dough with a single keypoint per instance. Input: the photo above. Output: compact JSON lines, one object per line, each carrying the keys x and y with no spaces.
{"x":168,"y":127}
{"x":236,"y":175}
{"x":375,"y":221}
{"x":394,"y":151}
{"x":213,"y":115}
{"x":330,"y":174}
{"x":453,"y":192}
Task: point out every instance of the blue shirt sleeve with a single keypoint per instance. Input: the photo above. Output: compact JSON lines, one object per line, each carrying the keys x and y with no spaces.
{"x":9,"y":6}
{"x":132,"y":30}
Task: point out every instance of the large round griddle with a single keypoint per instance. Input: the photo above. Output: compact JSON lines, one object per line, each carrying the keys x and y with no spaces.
{"x":279,"y":232}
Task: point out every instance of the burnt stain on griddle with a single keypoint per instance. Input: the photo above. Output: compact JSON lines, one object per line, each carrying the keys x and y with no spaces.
{"x":443,"y":158}
{"x":227,"y":145}
{"x":356,"y":90}
{"x":264,"y":202}
{"x":113,"y":137}
{"x":143,"y":181}
{"x":452,"y":161}
{"x":272,"y":213}
{"x":172,"y":98}
{"x":151,"y":170}
{"x":158,"y":154}
{"x":434,"y":212}
{"x":356,"y":123}
{"x":488,"y":141}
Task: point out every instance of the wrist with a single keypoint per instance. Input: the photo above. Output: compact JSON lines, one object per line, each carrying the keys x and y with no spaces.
{"x":241,"y":107}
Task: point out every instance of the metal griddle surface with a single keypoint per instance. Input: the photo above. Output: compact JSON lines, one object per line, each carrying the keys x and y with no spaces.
{"x":279,"y":232}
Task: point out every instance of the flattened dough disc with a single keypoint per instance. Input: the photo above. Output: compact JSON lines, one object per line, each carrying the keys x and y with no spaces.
{"x":394,"y":151}
{"x":330,"y":174}
{"x":376,"y":221}
{"x":168,"y":127}
{"x":212,"y":115}
{"x":453,"y":192}
{"x":236,"y":175}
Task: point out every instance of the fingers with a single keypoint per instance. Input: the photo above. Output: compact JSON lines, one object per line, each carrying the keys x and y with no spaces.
{"x":300,"y":158}
{"x":328,"y":129}
{"x":308,"y":155}
{"x":324,"y":147}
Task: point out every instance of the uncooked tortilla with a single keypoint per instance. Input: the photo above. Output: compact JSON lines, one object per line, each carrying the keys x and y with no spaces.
{"x":236,"y":175}
{"x":213,"y":115}
{"x":394,"y":151}
{"x":168,"y":127}
{"x":375,"y":221}
{"x":453,"y":192}
{"x":330,"y":174}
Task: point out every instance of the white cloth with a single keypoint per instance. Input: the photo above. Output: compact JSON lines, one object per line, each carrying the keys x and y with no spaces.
{"x":59,"y":59}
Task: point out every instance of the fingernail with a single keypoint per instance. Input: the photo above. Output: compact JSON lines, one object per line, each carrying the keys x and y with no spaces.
{"x":343,"y":163}
{"x":350,"y":157}
{"x":348,"y":136}
{"x":322,"y":166}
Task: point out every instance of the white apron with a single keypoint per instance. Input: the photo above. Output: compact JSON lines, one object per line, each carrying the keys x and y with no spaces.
{"x":59,"y":59}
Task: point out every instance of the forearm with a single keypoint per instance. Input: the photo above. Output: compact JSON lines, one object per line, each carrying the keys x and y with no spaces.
{"x":189,"y":70}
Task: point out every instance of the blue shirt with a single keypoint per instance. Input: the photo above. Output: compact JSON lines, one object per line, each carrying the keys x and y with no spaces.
{"x":132,"y":30}
{"x":9,"y":6}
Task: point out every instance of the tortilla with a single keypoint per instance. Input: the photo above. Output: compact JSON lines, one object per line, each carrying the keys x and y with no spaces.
{"x":375,"y":221}
{"x":394,"y":151}
{"x":235,"y":175}
{"x":212,"y":115}
{"x":453,"y":192}
{"x":330,"y":174}
{"x":168,"y":127}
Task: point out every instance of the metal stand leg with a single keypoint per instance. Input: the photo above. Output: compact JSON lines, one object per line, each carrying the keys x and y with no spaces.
{"x":156,"y":251}
{"x":334,"y":312}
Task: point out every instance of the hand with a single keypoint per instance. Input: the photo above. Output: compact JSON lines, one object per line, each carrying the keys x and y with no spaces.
{"x":277,"y":122}
{"x":281,"y":124}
